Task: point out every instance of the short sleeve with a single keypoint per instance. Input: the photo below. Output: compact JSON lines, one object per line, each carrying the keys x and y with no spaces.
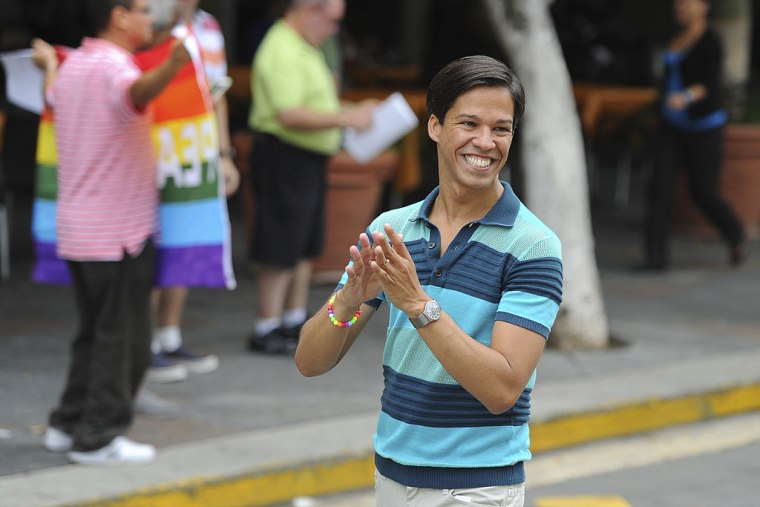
{"x":533,"y":289}
{"x":122,"y":78}
{"x":283,"y":84}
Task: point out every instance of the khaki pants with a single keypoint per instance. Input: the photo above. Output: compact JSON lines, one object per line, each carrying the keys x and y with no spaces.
{"x":389,"y":493}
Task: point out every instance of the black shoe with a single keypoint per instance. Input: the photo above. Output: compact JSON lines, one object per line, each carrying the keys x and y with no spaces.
{"x":291,"y":331}
{"x":273,"y":343}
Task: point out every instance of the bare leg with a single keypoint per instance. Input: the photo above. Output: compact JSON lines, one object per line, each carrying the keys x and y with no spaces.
{"x":298,"y":295}
{"x":170,"y":304}
{"x":272,"y":285}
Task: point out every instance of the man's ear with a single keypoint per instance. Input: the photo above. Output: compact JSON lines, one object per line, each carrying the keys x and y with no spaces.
{"x":434,"y":127}
{"x":119,"y":17}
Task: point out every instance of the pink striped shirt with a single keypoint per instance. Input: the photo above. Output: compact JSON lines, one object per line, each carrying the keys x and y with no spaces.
{"x":107,"y":194}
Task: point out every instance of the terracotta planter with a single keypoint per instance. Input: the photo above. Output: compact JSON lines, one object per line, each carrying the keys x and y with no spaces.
{"x":740,"y":185}
{"x":353,"y":199}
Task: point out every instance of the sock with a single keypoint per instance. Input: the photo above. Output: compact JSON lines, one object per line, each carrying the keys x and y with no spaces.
{"x":169,"y":338}
{"x":294,"y":317}
{"x":265,"y":326}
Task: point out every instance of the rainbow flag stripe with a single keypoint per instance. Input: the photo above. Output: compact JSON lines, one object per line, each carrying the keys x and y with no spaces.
{"x":193,"y":240}
{"x":48,"y":268}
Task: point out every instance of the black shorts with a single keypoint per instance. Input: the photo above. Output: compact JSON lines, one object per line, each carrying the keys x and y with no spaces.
{"x":289,"y":186}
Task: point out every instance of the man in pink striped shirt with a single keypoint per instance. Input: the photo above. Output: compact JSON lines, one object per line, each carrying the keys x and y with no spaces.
{"x":107,"y":213}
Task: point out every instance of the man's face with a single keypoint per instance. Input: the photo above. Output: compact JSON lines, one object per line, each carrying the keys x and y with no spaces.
{"x":324,"y":21}
{"x":687,"y":11}
{"x":139,"y":23}
{"x":475,"y":137}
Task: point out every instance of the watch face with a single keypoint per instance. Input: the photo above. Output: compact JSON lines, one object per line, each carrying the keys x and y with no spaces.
{"x":432,"y":310}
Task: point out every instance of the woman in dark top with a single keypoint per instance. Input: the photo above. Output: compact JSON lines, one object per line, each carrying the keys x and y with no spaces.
{"x":691,"y":136}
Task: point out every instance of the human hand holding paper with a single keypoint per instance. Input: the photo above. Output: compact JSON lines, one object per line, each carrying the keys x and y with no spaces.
{"x":43,"y":55}
{"x":24,"y":80}
{"x":361,"y":115}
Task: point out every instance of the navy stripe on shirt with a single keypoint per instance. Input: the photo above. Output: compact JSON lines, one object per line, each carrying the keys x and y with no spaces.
{"x":416,"y":401}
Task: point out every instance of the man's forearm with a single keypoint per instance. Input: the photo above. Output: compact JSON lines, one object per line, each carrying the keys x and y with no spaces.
{"x":223,"y":124}
{"x":322,"y":345}
{"x":148,"y":86}
{"x":306,"y":119}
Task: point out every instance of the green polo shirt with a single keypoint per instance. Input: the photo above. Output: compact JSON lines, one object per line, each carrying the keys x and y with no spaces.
{"x":288,"y":72}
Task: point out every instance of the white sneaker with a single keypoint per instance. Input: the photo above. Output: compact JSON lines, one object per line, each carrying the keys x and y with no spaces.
{"x":121,"y":451}
{"x":194,"y":362}
{"x":162,"y":370}
{"x":57,"y":441}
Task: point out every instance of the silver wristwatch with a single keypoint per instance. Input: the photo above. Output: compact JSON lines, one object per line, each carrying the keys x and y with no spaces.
{"x":431,"y":312}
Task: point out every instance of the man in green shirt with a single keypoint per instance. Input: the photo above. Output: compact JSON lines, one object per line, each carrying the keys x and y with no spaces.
{"x":297,"y":119}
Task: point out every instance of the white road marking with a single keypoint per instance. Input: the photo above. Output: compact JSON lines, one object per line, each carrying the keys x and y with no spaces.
{"x":641,"y":450}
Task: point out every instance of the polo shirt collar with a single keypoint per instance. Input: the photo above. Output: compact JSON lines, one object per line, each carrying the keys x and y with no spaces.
{"x":96,"y":43}
{"x":503,"y":213}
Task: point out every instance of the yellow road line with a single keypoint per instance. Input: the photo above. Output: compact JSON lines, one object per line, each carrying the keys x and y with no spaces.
{"x":255,"y":489}
{"x":338,"y":475}
{"x":640,"y":417}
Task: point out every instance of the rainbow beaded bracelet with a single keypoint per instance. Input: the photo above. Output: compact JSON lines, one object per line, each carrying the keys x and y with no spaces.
{"x":336,"y":322}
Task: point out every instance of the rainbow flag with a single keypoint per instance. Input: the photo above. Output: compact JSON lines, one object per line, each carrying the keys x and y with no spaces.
{"x":48,"y":268}
{"x":193,"y":240}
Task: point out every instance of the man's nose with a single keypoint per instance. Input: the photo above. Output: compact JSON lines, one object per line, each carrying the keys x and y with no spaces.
{"x":484,"y":139}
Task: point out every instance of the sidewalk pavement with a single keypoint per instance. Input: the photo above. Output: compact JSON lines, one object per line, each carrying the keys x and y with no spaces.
{"x":686,"y":348}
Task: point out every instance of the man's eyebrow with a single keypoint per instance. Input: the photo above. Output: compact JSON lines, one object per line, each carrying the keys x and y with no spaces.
{"x":465,"y":116}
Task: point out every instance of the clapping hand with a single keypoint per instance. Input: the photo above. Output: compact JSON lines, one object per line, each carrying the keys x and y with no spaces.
{"x":395,"y":270}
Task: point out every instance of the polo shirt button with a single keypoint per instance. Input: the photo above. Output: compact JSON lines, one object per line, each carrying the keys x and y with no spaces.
{"x":431,"y":244}
{"x":438,"y":272}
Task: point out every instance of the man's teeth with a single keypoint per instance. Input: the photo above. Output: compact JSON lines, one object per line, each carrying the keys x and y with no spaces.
{"x":477,"y":161}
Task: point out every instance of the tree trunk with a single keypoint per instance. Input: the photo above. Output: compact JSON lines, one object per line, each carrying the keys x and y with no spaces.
{"x":554,"y":163}
{"x":733,"y":22}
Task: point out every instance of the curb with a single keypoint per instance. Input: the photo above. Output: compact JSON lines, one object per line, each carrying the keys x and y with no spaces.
{"x":258,"y":488}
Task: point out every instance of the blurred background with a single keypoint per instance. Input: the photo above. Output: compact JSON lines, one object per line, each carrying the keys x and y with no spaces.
{"x":610,"y":48}
{"x":398,"y":45}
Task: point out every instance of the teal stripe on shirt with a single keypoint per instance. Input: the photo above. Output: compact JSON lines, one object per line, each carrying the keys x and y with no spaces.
{"x":535,"y":308}
{"x":452,"y":447}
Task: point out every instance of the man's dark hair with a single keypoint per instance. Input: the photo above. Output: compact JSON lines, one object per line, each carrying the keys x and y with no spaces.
{"x":466,"y":73}
{"x":99,"y":12}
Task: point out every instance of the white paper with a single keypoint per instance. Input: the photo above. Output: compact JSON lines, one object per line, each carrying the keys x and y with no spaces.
{"x":393,"y":119}
{"x":23,"y":80}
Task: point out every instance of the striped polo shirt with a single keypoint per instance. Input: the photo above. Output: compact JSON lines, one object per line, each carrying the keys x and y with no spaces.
{"x":107,"y":197}
{"x":431,"y":432}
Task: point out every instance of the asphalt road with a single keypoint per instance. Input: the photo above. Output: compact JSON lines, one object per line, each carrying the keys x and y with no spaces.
{"x":706,"y":464}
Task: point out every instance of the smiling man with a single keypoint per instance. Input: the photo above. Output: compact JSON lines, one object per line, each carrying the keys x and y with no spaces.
{"x":474,"y":282}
